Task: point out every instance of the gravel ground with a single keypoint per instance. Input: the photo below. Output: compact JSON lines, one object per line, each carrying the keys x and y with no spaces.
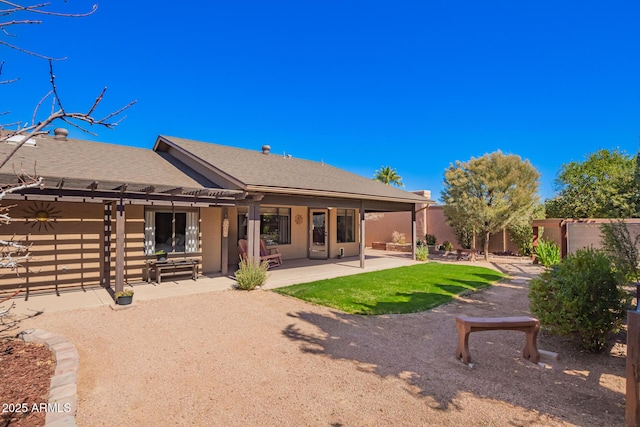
{"x":259,"y":358}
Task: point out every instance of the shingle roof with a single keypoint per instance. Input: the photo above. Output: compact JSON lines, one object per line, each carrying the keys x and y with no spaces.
{"x":81,"y":161}
{"x":255,"y":170}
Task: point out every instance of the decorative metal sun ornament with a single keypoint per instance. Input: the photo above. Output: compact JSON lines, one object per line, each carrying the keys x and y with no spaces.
{"x":42,"y":215}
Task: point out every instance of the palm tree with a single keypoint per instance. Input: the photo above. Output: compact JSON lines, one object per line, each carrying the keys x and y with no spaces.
{"x":388,"y":175}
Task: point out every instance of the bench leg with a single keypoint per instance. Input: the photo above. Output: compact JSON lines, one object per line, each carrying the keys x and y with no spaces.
{"x":530,"y":351}
{"x":462,"y":349}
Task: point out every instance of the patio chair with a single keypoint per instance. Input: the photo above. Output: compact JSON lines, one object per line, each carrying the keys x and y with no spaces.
{"x":274,"y":258}
{"x":272,"y":255}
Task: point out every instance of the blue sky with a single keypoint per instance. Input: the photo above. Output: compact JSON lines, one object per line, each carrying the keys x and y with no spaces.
{"x":414,"y":85}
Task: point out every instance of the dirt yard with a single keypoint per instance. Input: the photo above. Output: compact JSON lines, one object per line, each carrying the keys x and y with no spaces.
{"x":259,"y":358}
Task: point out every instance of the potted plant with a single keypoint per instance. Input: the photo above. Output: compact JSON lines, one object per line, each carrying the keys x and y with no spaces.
{"x":124,"y":297}
{"x":161,"y":255}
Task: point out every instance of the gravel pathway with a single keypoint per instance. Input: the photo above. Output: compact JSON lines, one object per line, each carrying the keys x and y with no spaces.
{"x":259,"y":358}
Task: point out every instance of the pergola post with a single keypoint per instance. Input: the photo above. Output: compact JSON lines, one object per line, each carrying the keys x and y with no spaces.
{"x":563,"y":240}
{"x":253,"y":231}
{"x":120,"y":232}
{"x":534,"y":242}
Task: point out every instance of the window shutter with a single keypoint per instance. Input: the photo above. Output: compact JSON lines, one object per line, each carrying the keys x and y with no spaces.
{"x":149,"y":232}
{"x":191,"y":237}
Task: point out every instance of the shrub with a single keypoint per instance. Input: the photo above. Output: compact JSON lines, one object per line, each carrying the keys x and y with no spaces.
{"x":251,"y":274}
{"x":580,"y":296}
{"x":622,"y":249}
{"x":522,"y":236}
{"x":397,"y":237}
{"x":548,"y":253}
{"x":447,"y":246}
{"x":422,"y":253}
{"x":430,"y":239}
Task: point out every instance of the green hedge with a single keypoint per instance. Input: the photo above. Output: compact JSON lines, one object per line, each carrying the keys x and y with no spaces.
{"x":580,"y":296}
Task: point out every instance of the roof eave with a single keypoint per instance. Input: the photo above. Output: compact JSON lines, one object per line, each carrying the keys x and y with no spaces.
{"x":336,"y":194}
{"x":200,"y":161}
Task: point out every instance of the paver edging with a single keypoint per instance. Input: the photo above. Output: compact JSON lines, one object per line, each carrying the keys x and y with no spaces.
{"x":63,"y":390}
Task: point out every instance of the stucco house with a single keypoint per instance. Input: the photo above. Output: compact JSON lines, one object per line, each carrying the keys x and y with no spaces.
{"x":105,"y":209}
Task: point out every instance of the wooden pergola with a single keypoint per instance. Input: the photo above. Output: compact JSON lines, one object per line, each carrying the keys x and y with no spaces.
{"x":114,"y":196}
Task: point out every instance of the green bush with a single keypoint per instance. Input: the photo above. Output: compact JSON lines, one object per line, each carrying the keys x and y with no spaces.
{"x":548,"y":253}
{"x":430,"y":239}
{"x":447,"y":246}
{"x":522,"y":236}
{"x":422,"y":253}
{"x":580,"y":296}
{"x":251,"y":274}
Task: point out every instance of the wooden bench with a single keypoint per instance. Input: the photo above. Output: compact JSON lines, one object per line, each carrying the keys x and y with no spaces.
{"x":172,"y":267}
{"x":529,"y":325}
{"x":462,"y":252}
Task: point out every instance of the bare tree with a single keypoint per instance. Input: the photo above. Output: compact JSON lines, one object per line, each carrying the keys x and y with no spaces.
{"x":17,"y":14}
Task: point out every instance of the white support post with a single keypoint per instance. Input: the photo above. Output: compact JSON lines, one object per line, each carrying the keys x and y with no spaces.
{"x":413,"y":233}
{"x":224,"y":259}
{"x":362,"y":234}
{"x":253,"y":231}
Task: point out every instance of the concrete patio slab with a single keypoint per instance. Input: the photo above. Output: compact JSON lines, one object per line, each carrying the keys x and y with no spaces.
{"x":291,"y":272}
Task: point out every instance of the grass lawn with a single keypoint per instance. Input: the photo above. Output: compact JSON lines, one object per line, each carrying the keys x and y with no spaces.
{"x":398,"y":290}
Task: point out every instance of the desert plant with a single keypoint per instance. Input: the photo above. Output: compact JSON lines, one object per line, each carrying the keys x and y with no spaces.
{"x":397,"y":237}
{"x":251,"y":274}
{"x":422,"y":253}
{"x":548,"y":253}
{"x":580,"y":296}
{"x":430,"y":239}
{"x":622,"y":249}
{"x":447,"y":246}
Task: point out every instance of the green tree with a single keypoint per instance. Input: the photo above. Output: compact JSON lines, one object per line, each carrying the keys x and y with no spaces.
{"x":602,"y":186}
{"x":490,"y":193}
{"x":388,"y":175}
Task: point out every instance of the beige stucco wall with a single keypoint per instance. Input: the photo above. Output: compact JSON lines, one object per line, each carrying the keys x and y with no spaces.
{"x":380,"y":227}
{"x":299,"y":234}
{"x":211,"y":239}
{"x":587,"y":234}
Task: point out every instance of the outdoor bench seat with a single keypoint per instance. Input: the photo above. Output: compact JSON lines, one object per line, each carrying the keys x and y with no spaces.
{"x":172,"y":267}
{"x":529,"y":325}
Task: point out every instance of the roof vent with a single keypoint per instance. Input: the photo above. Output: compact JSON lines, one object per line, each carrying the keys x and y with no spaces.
{"x":266,"y":149}
{"x":17,"y":139}
{"x":60,"y":134}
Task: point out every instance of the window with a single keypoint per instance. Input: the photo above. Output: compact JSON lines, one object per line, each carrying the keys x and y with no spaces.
{"x":275,"y":225}
{"x":171,"y":231}
{"x":346,"y":225}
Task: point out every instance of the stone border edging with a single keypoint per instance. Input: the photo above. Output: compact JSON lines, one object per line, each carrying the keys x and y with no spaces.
{"x":63,"y":390}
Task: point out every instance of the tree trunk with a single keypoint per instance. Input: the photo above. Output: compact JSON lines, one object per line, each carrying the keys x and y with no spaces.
{"x":486,"y":245}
